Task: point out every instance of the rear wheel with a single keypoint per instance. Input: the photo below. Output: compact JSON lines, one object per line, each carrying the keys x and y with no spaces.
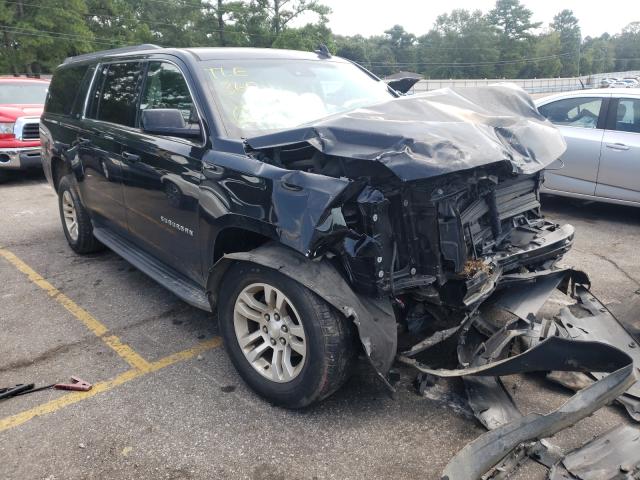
{"x":76,"y":223}
{"x":287,"y":343}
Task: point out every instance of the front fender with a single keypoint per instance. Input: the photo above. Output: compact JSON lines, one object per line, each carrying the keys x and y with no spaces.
{"x":374,"y":318}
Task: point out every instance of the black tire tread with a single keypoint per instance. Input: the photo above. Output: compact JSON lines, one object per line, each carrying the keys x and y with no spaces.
{"x":339,"y":344}
{"x":338,"y":340}
{"x":86,"y":242}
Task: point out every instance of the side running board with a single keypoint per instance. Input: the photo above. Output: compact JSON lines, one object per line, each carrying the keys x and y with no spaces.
{"x":181,"y":286}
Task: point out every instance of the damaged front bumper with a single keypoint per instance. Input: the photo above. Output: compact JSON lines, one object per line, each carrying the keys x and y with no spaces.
{"x":584,"y":347}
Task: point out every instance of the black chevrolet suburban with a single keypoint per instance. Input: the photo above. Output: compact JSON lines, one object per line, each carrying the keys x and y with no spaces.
{"x":320,"y":213}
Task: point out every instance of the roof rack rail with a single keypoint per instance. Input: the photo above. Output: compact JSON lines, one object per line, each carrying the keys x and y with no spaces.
{"x":113,"y":51}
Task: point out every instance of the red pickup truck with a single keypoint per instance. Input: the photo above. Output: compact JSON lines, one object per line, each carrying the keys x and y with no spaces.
{"x":21,"y":104}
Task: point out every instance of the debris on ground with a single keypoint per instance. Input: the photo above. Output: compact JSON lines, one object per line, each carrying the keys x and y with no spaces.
{"x":582,"y":347}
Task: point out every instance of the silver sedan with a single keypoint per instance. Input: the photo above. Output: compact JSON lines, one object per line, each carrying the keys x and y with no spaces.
{"x":602,"y":131}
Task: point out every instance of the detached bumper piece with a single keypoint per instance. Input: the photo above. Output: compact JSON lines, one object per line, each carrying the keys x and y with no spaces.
{"x":616,"y":454}
{"x":584,"y":347}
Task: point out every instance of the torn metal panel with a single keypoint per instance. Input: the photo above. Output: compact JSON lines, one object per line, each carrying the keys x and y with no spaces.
{"x":604,"y":327}
{"x":494,"y":407}
{"x":490,"y":401}
{"x":614,"y":455}
{"x":374,"y":318}
{"x":436,"y":338}
{"x":553,"y":353}
{"x":487,"y":450}
{"x":527,"y":293}
{"x":435,"y":133}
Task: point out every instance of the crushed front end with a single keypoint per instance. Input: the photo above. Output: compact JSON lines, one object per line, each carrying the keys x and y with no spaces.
{"x":429,"y":203}
{"x":448,"y":241}
{"x":437,"y":226}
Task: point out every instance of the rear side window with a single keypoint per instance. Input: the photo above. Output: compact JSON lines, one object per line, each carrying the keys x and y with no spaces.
{"x":628,"y":115}
{"x":64,"y":89}
{"x":573,"y":112}
{"x":116,"y":98}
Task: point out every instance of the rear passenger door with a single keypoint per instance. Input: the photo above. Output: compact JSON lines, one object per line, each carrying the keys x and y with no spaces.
{"x":619,"y":175}
{"x":581,"y":121}
{"x":111,"y":111}
{"x":162,"y":174}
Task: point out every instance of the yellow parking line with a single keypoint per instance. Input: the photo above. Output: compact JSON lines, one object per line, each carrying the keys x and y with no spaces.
{"x":96,"y":327}
{"x":140,"y":365}
{"x":75,"y":397}
{"x":126,"y":353}
{"x":80,"y":313}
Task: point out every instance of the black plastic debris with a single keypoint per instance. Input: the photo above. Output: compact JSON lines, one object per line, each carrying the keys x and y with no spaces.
{"x":614,"y":455}
{"x":583,"y":346}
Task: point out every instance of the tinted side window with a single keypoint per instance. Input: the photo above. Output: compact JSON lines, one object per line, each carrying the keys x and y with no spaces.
{"x":628,"y":115}
{"x":116,"y":101}
{"x":64,"y":88}
{"x":575,"y":112}
{"x":165,"y":87}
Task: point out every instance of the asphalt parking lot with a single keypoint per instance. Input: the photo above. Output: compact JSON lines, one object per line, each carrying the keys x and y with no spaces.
{"x":167,"y":403}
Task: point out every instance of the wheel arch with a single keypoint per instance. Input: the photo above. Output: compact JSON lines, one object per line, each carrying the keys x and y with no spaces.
{"x":59,"y":168}
{"x":234,"y":239}
{"x":374,"y":318}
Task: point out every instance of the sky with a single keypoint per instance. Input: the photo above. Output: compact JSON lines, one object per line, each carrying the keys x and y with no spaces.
{"x":373,"y":17}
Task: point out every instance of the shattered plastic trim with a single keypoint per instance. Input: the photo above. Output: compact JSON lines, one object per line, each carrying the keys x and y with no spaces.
{"x":550,"y":346}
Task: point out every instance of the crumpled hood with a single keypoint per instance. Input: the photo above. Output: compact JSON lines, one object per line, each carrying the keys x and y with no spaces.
{"x":435,"y":133}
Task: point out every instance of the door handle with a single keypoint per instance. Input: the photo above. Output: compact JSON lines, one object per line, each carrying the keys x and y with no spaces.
{"x":130,"y":157}
{"x":617,"y":146}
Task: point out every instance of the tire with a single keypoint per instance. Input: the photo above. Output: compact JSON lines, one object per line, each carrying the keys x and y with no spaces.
{"x":80,"y":237}
{"x":329,"y":338}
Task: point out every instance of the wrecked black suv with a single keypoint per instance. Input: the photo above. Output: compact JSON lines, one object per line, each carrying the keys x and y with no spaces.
{"x":318,"y":211}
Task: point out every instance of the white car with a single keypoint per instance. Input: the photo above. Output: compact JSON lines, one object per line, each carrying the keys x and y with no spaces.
{"x":602,"y":131}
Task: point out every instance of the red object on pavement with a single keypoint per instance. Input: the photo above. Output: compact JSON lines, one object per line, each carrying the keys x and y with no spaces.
{"x":77,"y":384}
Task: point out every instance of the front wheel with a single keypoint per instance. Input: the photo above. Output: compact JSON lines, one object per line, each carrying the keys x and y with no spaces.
{"x":76,"y":223}
{"x":288,"y":344}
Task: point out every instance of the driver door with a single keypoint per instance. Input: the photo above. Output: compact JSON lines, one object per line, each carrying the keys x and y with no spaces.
{"x":162,"y":173}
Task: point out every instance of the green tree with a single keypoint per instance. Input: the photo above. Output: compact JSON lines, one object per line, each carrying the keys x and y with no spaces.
{"x":119,"y":21}
{"x":598,"y":55}
{"x":567,"y":26}
{"x":513,"y":21}
{"x":354,"y":48}
{"x":284,"y":11}
{"x":547,"y":47}
{"x":218,"y":24}
{"x":262,"y":22}
{"x":461,"y":44}
{"x":402,"y":44}
{"x":38,"y":34}
{"x":627,"y":47}
{"x":382,"y":60}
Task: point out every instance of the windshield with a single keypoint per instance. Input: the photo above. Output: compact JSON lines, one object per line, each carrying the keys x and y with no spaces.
{"x":23,"y":92}
{"x":262,"y":96}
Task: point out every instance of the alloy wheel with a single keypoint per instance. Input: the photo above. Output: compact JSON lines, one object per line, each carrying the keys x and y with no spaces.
{"x":69,"y":215}
{"x":270,"y":333}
